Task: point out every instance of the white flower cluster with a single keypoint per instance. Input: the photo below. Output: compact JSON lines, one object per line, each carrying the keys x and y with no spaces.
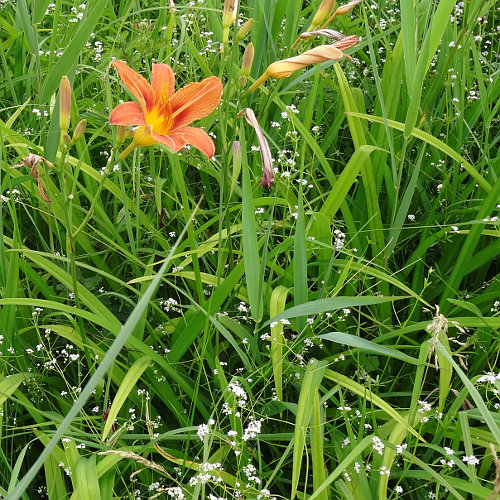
{"x":377,"y":445}
{"x":252,"y":430}
{"x":239,"y":392}
{"x":489,"y":377}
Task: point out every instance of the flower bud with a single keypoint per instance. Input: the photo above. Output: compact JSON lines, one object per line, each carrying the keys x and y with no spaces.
{"x":64,"y":104}
{"x":228,"y":18}
{"x":121,"y":132}
{"x":242,"y":81}
{"x":243,"y":31}
{"x":344,"y":9}
{"x":346,"y":42}
{"x":246,"y":63}
{"x":265,"y":151}
{"x":79,"y":130}
{"x":322,"y":13}
{"x":285,"y":67}
{"x":229,"y":13}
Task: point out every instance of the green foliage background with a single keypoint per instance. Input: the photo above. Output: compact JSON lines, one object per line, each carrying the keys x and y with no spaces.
{"x":355,"y":304}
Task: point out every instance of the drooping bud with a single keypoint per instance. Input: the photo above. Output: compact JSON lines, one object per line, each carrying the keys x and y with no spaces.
{"x":243,"y":31}
{"x":79,"y":130}
{"x":31,"y":161}
{"x":265,"y":151}
{"x":64,"y":104}
{"x":285,"y":67}
{"x":323,"y":32}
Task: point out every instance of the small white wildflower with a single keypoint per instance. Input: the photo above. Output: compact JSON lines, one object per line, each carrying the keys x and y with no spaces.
{"x":471,"y":460}
{"x":203,"y":430}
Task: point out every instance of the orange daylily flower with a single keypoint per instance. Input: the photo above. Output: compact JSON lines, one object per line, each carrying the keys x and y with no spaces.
{"x":162,"y":115}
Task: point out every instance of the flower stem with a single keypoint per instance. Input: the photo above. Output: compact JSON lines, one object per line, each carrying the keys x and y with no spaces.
{"x":127,"y":151}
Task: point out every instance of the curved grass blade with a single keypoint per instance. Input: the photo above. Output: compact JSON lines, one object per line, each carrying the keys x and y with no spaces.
{"x":367,"y":345}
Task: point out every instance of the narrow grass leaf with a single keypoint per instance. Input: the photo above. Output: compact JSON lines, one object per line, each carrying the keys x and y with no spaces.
{"x":356,"y":452}
{"x":345,"y":180}
{"x":300,"y":291}
{"x":85,"y":479}
{"x":28,"y":28}
{"x":317,"y":453}
{"x":17,"y":468}
{"x":251,"y":257}
{"x":367,"y":345}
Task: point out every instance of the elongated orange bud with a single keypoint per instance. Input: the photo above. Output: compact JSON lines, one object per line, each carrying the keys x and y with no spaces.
{"x":285,"y":67}
{"x":64,"y":104}
{"x":344,"y":9}
{"x":346,"y":43}
{"x":246,"y":65}
{"x":229,"y":12}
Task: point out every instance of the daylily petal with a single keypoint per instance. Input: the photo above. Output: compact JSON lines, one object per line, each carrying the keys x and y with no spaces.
{"x":127,"y":113}
{"x":162,"y":78}
{"x":174,"y":143}
{"x":188,"y":135}
{"x":195,"y":101}
{"x":137,"y":84}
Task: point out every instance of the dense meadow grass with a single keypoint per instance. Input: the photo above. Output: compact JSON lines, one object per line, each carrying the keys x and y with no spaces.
{"x":172,"y":328}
